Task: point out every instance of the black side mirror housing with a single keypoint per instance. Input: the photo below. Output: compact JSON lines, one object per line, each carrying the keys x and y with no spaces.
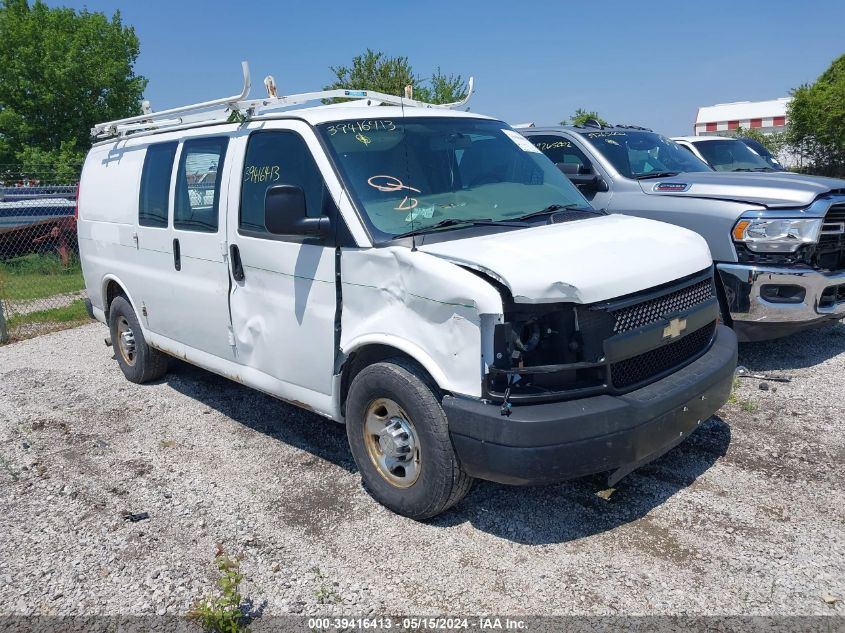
{"x":589,"y":181}
{"x":285,"y":213}
{"x":568,"y":169}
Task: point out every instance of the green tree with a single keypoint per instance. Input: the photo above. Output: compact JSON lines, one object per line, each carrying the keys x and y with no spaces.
{"x":581,"y":116}
{"x":373,"y":70}
{"x":61,"y":71}
{"x":817,"y":121}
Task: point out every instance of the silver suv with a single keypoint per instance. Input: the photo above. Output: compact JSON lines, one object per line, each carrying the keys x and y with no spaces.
{"x":778,"y":240}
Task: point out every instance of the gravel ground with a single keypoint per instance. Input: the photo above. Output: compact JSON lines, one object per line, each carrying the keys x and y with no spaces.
{"x":746,"y":517}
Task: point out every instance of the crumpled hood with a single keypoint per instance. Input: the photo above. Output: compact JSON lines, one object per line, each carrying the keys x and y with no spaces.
{"x":583,"y":261}
{"x":767,"y":189}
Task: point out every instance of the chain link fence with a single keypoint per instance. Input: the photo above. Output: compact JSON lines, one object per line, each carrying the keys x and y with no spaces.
{"x":41,"y":285}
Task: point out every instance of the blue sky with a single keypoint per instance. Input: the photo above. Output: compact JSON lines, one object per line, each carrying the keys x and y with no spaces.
{"x":646,"y":63}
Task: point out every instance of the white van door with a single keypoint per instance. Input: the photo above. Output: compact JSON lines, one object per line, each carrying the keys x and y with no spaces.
{"x":191,"y":302}
{"x":200,"y":275}
{"x":283,"y":298}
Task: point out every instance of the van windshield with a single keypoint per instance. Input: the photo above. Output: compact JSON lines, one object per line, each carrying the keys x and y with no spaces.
{"x":641,"y":154}
{"x":417,"y":172}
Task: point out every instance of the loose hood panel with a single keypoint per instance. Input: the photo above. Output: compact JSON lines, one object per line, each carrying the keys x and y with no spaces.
{"x":583,"y":261}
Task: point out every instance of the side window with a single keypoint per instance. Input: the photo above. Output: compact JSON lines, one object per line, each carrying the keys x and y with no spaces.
{"x":277,"y":158}
{"x":198,"y":184}
{"x":155,"y":185}
{"x":561,"y":150}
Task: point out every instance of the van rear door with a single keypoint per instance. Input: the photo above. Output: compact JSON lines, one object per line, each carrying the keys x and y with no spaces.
{"x":200,"y":277}
{"x":182,"y":278}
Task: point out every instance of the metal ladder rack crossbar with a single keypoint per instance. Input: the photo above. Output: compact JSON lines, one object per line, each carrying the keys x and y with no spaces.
{"x":250,"y":108}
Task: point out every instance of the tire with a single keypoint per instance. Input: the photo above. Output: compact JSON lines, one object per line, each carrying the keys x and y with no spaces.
{"x":414,"y":474}
{"x":139,"y":362}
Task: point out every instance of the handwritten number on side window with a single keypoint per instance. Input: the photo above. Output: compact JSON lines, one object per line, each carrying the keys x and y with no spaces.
{"x":265,"y":173}
{"x":557,"y":144}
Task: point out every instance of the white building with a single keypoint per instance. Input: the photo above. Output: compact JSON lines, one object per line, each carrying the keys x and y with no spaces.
{"x":724,"y":118}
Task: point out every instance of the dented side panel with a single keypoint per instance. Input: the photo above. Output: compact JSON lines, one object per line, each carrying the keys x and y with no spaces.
{"x":424,"y":306}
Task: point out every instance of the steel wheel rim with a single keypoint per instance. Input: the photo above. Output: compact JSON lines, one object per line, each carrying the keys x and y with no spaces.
{"x":126,"y":341}
{"x":392,"y":443}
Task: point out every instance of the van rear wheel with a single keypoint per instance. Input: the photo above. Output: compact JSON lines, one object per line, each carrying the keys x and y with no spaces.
{"x":399,"y":437}
{"x":139,"y":362}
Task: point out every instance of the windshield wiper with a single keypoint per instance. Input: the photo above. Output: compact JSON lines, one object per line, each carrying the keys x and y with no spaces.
{"x":449,"y":222}
{"x":656,"y":174}
{"x":552,"y":209}
{"x":753,"y":169}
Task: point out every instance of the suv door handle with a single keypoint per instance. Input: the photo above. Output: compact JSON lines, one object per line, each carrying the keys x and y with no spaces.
{"x":237,"y":265}
{"x":177,"y":254}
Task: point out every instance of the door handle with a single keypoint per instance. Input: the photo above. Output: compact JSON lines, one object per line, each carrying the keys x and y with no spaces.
{"x":177,"y":254}
{"x":237,"y":265}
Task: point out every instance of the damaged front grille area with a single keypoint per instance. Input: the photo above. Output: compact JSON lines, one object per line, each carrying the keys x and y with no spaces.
{"x":653,"y":310}
{"x":657,"y":362}
{"x":565,"y":351}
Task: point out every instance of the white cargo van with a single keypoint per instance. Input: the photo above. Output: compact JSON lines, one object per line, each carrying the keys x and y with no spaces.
{"x":424,"y":275}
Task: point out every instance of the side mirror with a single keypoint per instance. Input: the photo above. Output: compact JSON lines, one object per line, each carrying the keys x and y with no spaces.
{"x":285,"y":213}
{"x":570,"y":169}
{"x":589,"y":181}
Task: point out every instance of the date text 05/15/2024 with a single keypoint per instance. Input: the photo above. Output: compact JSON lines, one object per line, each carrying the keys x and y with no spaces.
{"x":416,"y":624}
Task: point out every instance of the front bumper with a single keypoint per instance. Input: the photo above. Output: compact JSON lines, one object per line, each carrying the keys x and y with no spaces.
{"x":756,"y":316}
{"x":544,"y":443}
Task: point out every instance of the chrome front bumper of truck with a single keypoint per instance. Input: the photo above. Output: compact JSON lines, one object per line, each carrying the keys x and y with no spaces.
{"x":770,"y":302}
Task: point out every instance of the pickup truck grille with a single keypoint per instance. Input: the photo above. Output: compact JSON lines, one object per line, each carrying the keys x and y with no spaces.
{"x":653,"y":310}
{"x":652,"y":364}
{"x":830,"y":251}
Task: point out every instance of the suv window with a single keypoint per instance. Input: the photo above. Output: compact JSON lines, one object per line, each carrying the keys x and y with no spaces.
{"x":277,"y":158}
{"x":155,"y":185}
{"x":561,"y":150}
{"x":198,"y":185}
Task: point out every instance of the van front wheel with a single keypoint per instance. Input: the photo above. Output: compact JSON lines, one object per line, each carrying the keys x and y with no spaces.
{"x":399,"y":438}
{"x":138,"y":361}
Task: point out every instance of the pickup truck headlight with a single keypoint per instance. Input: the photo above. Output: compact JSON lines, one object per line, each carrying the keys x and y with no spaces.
{"x":777,"y":235}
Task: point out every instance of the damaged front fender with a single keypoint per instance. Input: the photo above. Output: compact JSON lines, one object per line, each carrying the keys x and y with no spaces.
{"x":424,"y":306}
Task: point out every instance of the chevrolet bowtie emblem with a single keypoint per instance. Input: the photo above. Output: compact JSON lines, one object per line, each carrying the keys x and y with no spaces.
{"x":675,"y":328}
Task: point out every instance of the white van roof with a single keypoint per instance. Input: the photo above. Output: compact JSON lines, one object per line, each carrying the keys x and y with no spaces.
{"x":360,"y":104}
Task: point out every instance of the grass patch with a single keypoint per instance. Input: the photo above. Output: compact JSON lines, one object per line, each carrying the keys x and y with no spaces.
{"x":325,"y":594}
{"x":222,"y":612}
{"x":733,"y":399}
{"x":9,"y":468}
{"x":36,"y":276}
{"x":748,"y":406}
{"x":69,"y":314}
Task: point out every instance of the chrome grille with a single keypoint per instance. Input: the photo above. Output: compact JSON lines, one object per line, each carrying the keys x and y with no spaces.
{"x":830,"y":251}
{"x":653,"y":310}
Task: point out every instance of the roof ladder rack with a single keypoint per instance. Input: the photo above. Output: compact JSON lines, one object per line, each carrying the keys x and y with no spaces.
{"x":253,"y":107}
